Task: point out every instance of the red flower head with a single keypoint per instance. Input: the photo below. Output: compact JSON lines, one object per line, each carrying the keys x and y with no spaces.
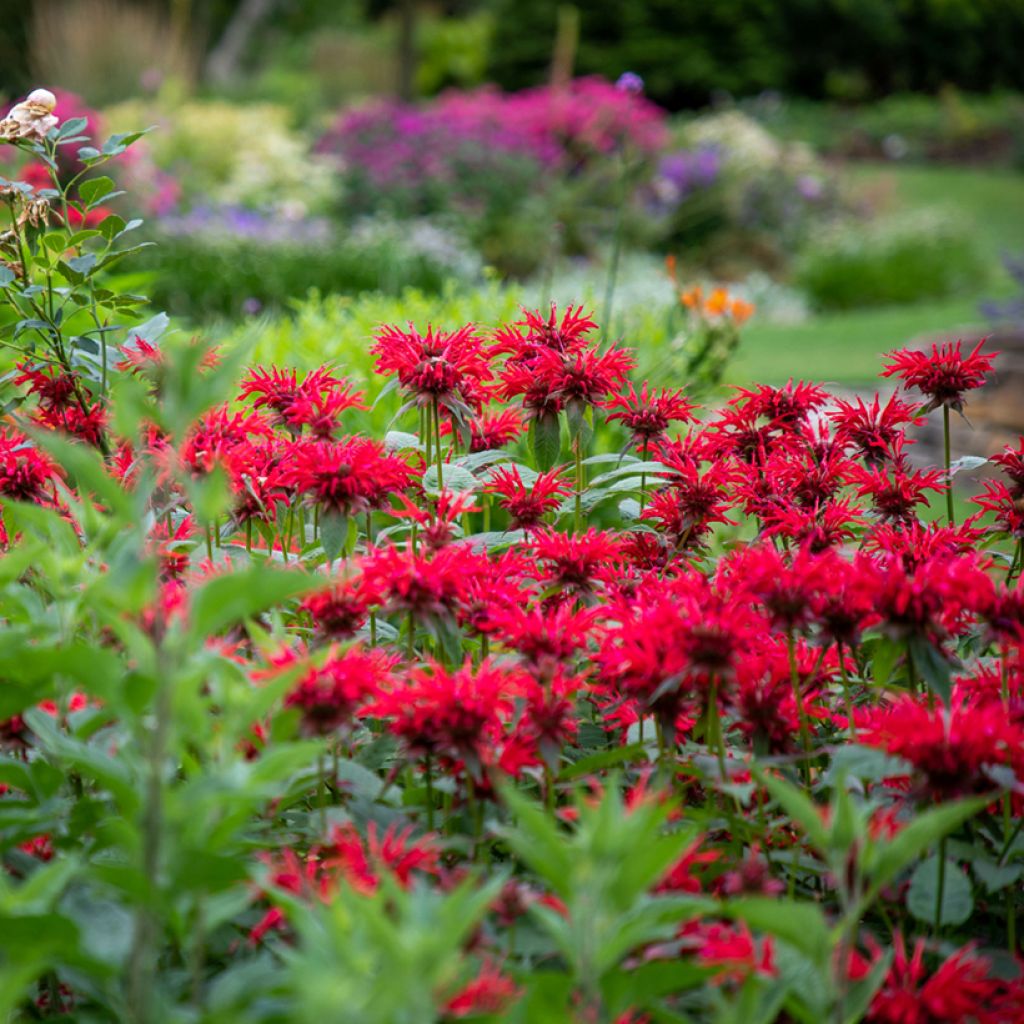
{"x":339,"y":611}
{"x":430,"y":587}
{"x":961,"y":989}
{"x":545,"y":639}
{"x":279,"y":390}
{"x":572,"y":563}
{"x":1011,"y":460}
{"x":449,"y":366}
{"x":347,"y":477}
{"x":25,"y":473}
{"x":527,"y":505}
{"x":214,"y":437}
{"x":896,"y":490}
{"x":361,"y":861}
{"x":949,"y":749}
{"x":489,"y":993}
{"x":648,"y":414}
{"x":454,"y":715}
{"x":873,"y":431}
{"x":329,"y":695}
{"x":945,"y":375}
{"x":1005,"y":505}
{"x":495,"y":430}
{"x":565,"y":335}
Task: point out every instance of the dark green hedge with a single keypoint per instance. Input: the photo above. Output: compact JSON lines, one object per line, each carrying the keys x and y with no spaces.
{"x":687,"y":50}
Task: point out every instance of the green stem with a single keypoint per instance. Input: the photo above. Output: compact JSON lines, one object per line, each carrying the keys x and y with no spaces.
{"x":949,"y":476}
{"x":940,"y":886}
{"x":846,"y":692}
{"x":437,"y":445}
{"x":578,"y":506}
{"x":794,"y":678}
{"x":429,"y":773}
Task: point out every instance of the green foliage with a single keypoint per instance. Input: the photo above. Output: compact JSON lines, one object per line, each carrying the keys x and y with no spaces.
{"x":688,"y":51}
{"x":202,"y":277}
{"x":903,"y":259}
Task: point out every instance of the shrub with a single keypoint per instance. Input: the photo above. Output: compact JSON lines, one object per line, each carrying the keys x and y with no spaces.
{"x":506,"y":165}
{"x":897,"y":259}
{"x":229,"y":262}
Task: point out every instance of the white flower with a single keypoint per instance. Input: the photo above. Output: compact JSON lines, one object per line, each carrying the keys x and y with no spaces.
{"x":32,"y":118}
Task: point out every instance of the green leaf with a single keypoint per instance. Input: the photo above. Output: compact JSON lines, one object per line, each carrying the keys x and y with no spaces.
{"x":926,"y":829}
{"x":333,"y":533}
{"x":398,"y":440}
{"x":602,"y":759}
{"x":996,"y":876}
{"x":456,"y":480}
{"x":94,"y":189}
{"x":866,"y":763}
{"x":957,"y":898}
{"x":799,"y":807}
{"x":802,"y":925}
{"x":72,"y":126}
{"x":546,"y":440}
{"x":6,"y":275}
{"x":885,"y":656}
{"x":225,"y":600}
{"x":933,"y":666}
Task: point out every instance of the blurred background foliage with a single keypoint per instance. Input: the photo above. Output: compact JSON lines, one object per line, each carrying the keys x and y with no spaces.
{"x":855,"y":169}
{"x":687,"y":51}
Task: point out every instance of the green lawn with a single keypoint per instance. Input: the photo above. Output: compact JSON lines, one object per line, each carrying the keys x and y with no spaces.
{"x":846,"y":348}
{"x":842,"y":348}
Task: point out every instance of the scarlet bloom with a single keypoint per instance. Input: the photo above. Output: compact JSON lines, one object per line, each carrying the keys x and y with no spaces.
{"x":1011,"y":461}
{"x":573,"y":562}
{"x":1006,"y":506}
{"x":429,"y":587}
{"x":329,"y":694}
{"x":449,"y":366}
{"x":648,"y":414}
{"x":944,"y":375}
{"x":961,"y":989}
{"x":347,"y":477}
{"x":873,"y":431}
{"x":949,"y":749}
{"x":495,"y":430}
{"x":527,"y":505}
{"x":490,"y":992}
{"x":560,"y":335}
{"x":896,"y":491}
{"x":341,"y":609}
{"x":733,"y":952}
{"x":25,"y":473}
{"x":455,"y":715}
{"x":361,"y":861}
{"x":278,"y":389}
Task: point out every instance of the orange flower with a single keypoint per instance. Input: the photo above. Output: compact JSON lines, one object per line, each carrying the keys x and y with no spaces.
{"x":741,"y":311}
{"x":717,"y":303}
{"x":692,"y":298}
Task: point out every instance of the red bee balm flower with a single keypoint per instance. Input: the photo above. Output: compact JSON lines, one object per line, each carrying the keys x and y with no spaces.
{"x":527,"y":505}
{"x":648,"y":414}
{"x":945,"y":375}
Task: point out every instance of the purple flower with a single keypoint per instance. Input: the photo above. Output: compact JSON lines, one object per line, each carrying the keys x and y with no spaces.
{"x":631,"y":82}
